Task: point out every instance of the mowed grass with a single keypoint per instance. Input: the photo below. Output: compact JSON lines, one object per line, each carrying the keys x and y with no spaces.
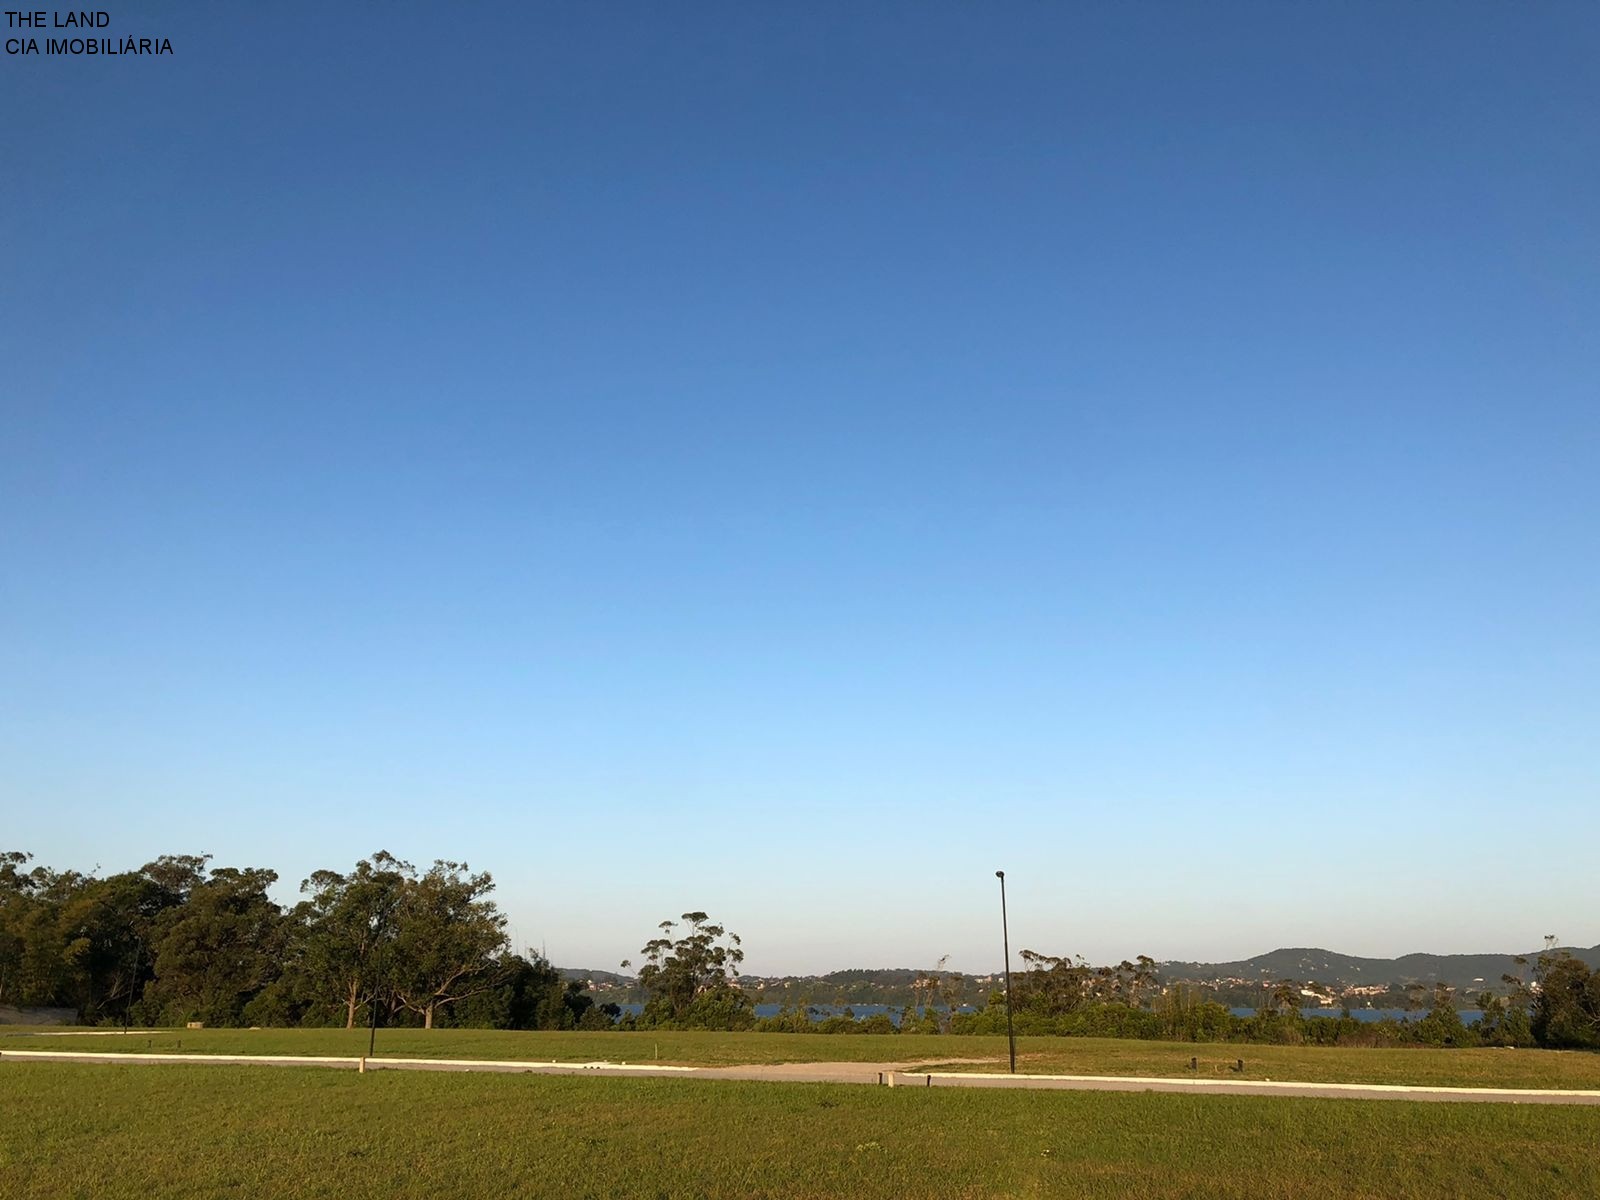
{"x":1579,"y":1069}
{"x":690,"y":1048}
{"x":110,"y":1132}
{"x":1063,"y":1056}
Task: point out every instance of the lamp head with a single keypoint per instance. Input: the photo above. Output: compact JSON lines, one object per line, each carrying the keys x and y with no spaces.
{"x":999,"y":874}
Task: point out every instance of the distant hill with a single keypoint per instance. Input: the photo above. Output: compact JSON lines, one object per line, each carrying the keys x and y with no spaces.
{"x":1461,"y":971}
{"x":1467,"y":973}
{"x":891,"y":986}
{"x":882,"y":976}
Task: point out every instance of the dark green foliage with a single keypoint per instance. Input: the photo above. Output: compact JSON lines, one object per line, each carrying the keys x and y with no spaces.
{"x":1067,"y":997}
{"x":78,"y":941}
{"x":1053,"y":986}
{"x":447,"y":942}
{"x":801,"y":1019}
{"x":693,"y":980}
{"x":529,"y":993}
{"x":1443,"y":1025}
{"x":216,"y":952}
{"x":345,"y":929}
{"x":1566,"y":1011}
{"x":176,"y":942}
{"x":792,"y":1019}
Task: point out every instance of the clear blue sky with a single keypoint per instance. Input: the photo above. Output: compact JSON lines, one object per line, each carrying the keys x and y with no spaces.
{"x":792,"y":462}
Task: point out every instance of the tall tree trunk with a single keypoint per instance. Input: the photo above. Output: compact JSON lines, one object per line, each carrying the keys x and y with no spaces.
{"x":350,"y":1008}
{"x":427,"y":1017}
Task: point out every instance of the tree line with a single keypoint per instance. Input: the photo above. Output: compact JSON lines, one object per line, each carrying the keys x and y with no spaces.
{"x":1553,"y":1001}
{"x":178,"y":941}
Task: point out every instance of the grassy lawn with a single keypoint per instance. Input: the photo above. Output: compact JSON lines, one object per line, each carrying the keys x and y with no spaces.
{"x":1311,"y":1064}
{"x":109,"y":1132}
{"x":684,"y":1049}
{"x":1067,"y":1056}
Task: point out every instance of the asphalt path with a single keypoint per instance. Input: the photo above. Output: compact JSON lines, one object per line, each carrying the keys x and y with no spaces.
{"x":897,"y":1074}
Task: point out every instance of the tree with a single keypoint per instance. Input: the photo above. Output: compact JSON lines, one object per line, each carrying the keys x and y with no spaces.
{"x":16,"y":910}
{"x":51,"y":937}
{"x":940,"y":994}
{"x":1505,"y":1019}
{"x":1566,"y":1010}
{"x":175,"y":876}
{"x":529,"y":993}
{"x":102,"y":932}
{"x":1443,"y":1026}
{"x":347,"y":927}
{"x":220,"y":949}
{"x":1286,"y":998}
{"x":693,"y":981}
{"x":1053,"y":986}
{"x":925,"y":988}
{"x":448,"y":936}
{"x":1135,"y":979}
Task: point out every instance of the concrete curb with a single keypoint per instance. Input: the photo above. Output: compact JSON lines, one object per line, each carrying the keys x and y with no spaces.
{"x":1265,"y":1087}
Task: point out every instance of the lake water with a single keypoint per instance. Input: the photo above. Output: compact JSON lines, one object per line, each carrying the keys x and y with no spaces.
{"x":822,"y":1011}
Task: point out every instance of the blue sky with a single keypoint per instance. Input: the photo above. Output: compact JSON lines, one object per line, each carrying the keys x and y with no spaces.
{"x":790,"y":463}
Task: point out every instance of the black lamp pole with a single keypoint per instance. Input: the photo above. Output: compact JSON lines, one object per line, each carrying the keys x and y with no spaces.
{"x":138,"y":969}
{"x":1005,"y":934}
{"x":377,"y":961}
{"x":372,"y":1036}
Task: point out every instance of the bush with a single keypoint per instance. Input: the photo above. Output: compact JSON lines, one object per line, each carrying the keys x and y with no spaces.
{"x":1442,"y":1027}
{"x":1566,"y":1011}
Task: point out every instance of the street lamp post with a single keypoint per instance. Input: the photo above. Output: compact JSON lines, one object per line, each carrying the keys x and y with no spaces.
{"x":138,"y":969}
{"x":372,"y":1036}
{"x":1005,"y":934}
{"x":377,"y":961}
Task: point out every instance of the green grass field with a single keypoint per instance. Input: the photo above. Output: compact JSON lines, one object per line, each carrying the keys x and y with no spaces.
{"x":1069,"y":1056}
{"x":683,"y":1049}
{"x":1310,"y":1064}
{"x":112,"y":1132}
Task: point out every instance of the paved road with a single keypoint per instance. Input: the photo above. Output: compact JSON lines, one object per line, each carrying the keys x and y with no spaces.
{"x":889,"y":1074}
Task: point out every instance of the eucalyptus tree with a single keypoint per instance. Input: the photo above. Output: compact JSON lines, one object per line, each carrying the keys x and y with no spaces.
{"x":1566,"y":1007}
{"x":448,"y":939}
{"x":693,"y":979}
{"x":1054,"y":985}
{"x":346,"y":929}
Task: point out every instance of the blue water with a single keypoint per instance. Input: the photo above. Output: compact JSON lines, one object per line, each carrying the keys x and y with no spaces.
{"x":822,"y":1011}
{"x":819,"y":1012}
